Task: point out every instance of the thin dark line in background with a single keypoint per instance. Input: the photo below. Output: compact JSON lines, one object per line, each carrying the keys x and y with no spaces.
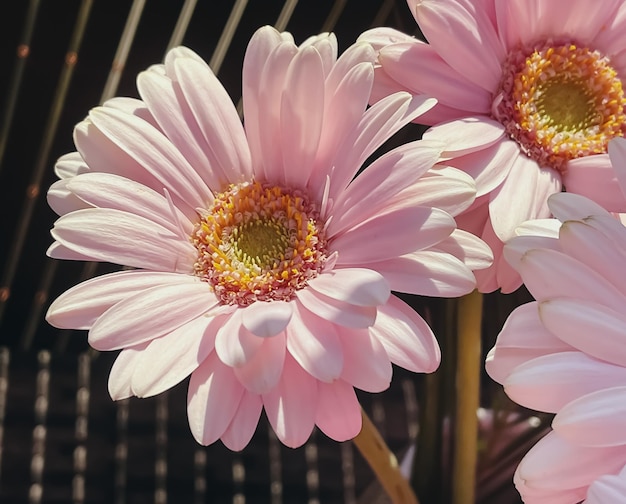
{"x":182,"y":24}
{"x":23,"y":51}
{"x":33,"y":190}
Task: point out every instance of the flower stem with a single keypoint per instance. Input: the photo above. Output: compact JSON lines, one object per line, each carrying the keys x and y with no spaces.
{"x":467,"y":398}
{"x":384,"y":463}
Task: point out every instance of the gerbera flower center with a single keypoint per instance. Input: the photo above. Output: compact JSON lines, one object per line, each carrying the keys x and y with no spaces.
{"x":259,"y":242}
{"x":560,"y":102}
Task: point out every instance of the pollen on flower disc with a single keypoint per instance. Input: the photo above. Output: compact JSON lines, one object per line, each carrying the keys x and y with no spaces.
{"x":560,"y":102}
{"x":259,"y":242}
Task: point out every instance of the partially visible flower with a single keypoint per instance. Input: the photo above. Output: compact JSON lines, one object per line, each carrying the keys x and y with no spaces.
{"x":529,"y":94}
{"x":565,"y":353}
{"x":263,"y":269}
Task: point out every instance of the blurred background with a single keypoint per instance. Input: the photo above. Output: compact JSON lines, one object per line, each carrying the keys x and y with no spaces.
{"x":62,"y":439}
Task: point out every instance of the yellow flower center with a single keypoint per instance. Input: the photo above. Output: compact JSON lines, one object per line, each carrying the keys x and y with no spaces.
{"x":560,"y":103}
{"x":259,"y":242}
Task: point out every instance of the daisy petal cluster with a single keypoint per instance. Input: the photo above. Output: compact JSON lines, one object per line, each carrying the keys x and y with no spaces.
{"x":257,"y":264}
{"x":565,"y":352}
{"x":529,"y":94}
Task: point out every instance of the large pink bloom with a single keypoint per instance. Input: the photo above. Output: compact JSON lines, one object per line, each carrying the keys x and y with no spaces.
{"x":565,"y":353}
{"x":263,"y":269}
{"x":529,"y":94}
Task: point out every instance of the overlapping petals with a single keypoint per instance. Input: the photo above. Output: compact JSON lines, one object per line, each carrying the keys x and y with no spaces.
{"x":565,"y":353}
{"x":140,"y":192}
{"x":464,"y":66}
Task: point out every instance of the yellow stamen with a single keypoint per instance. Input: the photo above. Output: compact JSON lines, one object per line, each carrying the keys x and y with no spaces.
{"x":259,"y":243}
{"x":560,"y":103}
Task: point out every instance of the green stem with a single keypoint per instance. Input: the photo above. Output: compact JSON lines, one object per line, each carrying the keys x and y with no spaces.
{"x":384,"y":463}
{"x":469,"y":364}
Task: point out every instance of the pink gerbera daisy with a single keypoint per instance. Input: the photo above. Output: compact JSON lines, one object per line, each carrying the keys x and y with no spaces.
{"x":565,"y":353}
{"x":529,"y":94}
{"x":262,"y":268}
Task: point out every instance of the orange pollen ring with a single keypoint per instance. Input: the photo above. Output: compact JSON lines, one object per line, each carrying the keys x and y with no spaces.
{"x":560,"y":102}
{"x":259,"y":242}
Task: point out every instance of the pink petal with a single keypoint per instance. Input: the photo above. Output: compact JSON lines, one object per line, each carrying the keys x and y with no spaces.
{"x":80,"y":306}
{"x":165,"y":100}
{"x":516,"y":248}
{"x":149,"y":314}
{"x":406,"y":337}
{"x":596,"y":419}
{"x":269,"y":98}
{"x":154,"y":152}
{"x":427,"y":273}
{"x":292,"y":405}
{"x":474,"y":51}
{"x":489,"y":166}
{"x":546,"y":230}
{"x":261,"y":372}
{"x":244,"y":423}
{"x":522,"y":339}
{"x":377,"y":124}
{"x":466,"y":135}
{"x":611,"y":227}
{"x":261,"y":44}
{"x":507,"y":278}
{"x":212,"y":400}
{"x":315,"y":344}
{"x":352,"y":58}
{"x":418,"y":67}
{"x":523,"y":196}
{"x":470,"y":249}
{"x":234,"y":343}
{"x":69,"y":165}
{"x":326,"y":45}
{"x":607,"y":488}
{"x":343,"y":109}
{"x":168,"y":360}
{"x":266,"y":319}
{"x":528,"y":21}
{"x":617,"y":155}
{"x":589,"y":245}
{"x":122,"y":371}
{"x":217,"y":118}
{"x":569,"y":206}
{"x":593,"y":328}
{"x":383,"y":36}
{"x":594,"y":178}
{"x":357,"y":286}
{"x":119,"y":237}
{"x":378,"y":186}
{"x":103,"y":155}
{"x":555,"y":464}
{"x":610,"y":40}
{"x":106,"y":190}
{"x":178,"y":53}
{"x":341,"y":313}
{"x":58,"y":251}
{"x":533,"y":495}
{"x":441,"y":187}
{"x":549,"y":273}
{"x":550,"y":382}
{"x":428,"y":226}
{"x":301,"y":115}
{"x":61,"y":199}
{"x":366,"y":364}
{"x":133,"y":106}
{"x":338,"y":412}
